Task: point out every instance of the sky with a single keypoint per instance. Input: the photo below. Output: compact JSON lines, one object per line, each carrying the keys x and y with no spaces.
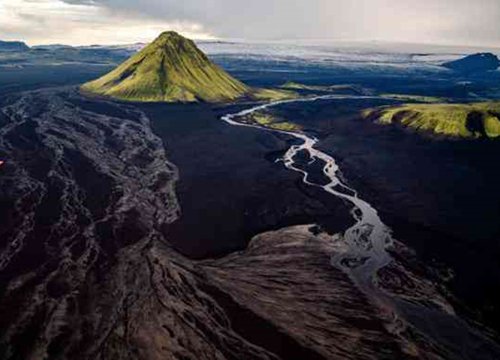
{"x":84,"y":22}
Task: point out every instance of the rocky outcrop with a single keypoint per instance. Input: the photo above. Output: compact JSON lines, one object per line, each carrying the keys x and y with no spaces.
{"x":286,"y":277}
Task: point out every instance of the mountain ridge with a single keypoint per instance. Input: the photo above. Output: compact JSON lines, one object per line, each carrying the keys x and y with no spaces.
{"x":170,"y":69}
{"x":13,"y":46}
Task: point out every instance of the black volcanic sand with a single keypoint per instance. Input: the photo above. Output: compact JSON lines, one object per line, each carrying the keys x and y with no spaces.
{"x":230,"y":186}
{"x":440,"y":196}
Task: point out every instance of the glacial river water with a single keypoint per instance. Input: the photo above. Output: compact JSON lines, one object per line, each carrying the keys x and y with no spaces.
{"x":367,"y":240}
{"x":364,"y":247}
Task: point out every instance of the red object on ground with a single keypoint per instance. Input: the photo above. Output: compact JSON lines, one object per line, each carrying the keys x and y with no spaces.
{"x":1,"y":162}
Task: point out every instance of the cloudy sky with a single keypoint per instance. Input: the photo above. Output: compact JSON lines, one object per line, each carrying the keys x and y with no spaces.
{"x":459,"y":22}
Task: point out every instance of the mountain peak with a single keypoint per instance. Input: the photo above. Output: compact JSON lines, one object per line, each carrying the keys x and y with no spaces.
{"x":170,"y":69}
{"x":170,"y":35}
{"x":170,"y":38}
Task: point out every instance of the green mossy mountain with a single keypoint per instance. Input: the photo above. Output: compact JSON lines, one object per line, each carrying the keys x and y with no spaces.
{"x":170,"y":69}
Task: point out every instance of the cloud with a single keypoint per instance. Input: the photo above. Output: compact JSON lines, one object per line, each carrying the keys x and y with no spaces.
{"x":83,"y":22}
{"x":439,"y":21}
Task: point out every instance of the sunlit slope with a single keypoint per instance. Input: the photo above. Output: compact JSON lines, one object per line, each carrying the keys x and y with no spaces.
{"x":170,"y":69}
{"x":474,"y":120}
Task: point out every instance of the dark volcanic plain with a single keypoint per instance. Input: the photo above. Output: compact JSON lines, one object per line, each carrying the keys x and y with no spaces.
{"x":156,"y":231}
{"x":88,"y":271}
{"x":230,"y":184}
{"x":438,"y":195}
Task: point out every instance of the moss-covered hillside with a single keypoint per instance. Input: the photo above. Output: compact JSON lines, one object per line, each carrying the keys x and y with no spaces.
{"x":474,"y":120}
{"x":170,"y":69}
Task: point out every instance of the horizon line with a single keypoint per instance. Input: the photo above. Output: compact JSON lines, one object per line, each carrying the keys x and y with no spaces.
{"x":303,"y":41}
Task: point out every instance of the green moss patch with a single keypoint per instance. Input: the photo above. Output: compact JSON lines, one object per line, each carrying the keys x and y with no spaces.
{"x":271,"y":121}
{"x":473,"y":120}
{"x":273,"y":94}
